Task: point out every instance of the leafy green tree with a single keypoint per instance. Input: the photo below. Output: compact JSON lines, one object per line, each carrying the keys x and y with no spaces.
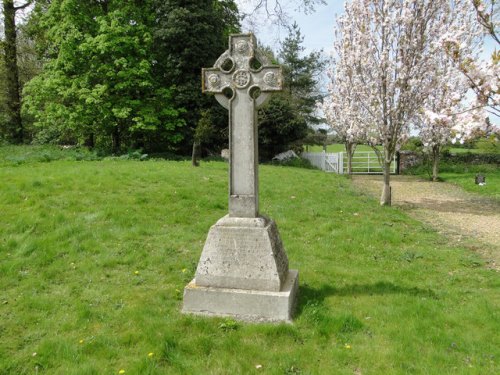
{"x":99,"y":83}
{"x":285,"y":121}
{"x":125,"y":72}
{"x":3,"y":98}
{"x":279,"y":127}
{"x":301,"y":75}
{"x":190,"y":35}
{"x":13,"y":122}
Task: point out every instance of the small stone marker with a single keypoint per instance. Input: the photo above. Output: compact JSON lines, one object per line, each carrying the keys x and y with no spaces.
{"x":243,"y":270}
{"x":480,"y":180}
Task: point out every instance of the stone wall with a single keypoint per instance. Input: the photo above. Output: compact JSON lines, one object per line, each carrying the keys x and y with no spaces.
{"x":408,"y":159}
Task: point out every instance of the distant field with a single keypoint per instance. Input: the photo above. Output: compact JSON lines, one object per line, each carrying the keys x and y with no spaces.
{"x":457,"y":150}
{"x":338,"y":148}
{"x":94,"y":256}
{"x":467,"y":181}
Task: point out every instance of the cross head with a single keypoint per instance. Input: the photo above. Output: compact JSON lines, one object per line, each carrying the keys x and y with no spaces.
{"x":242,"y":81}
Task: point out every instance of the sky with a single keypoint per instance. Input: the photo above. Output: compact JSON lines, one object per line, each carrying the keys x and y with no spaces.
{"x":316,"y":27}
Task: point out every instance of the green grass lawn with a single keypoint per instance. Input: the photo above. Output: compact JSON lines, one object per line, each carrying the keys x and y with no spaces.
{"x":460,"y":150}
{"x":94,"y":256}
{"x":467,"y":181}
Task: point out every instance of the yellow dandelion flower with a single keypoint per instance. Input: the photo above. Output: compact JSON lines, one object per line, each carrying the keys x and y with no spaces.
{"x":121,"y":372}
{"x":136,"y":272}
{"x":81,"y":341}
{"x":184,"y":270}
{"x":347,"y":346}
{"x":151,"y":354}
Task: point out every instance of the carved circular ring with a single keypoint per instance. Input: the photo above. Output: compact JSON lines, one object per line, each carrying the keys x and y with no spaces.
{"x":241,"y":78}
{"x":214,"y":81}
{"x":242,"y":46}
{"x":270,"y":79}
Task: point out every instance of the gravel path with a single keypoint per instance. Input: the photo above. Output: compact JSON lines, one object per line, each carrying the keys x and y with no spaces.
{"x":463,"y":217}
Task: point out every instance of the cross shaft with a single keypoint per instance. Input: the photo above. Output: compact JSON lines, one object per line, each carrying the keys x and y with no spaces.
{"x":237,"y":84}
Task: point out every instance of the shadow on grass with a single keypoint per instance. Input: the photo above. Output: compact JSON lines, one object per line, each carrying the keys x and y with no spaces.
{"x":309,"y":295}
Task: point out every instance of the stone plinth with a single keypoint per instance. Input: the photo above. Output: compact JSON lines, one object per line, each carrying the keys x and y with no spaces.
{"x":243,"y":272}
{"x":243,"y":253}
{"x":242,"y":304}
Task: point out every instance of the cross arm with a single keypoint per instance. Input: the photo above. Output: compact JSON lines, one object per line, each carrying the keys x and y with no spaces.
{"x":268,"y":79}
{"x":214,"y":81}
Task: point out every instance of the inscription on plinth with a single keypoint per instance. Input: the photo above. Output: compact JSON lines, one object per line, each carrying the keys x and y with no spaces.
{"x":239,"y":257}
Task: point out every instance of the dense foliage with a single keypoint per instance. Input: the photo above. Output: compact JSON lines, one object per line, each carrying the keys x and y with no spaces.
{"x":286,"y":120}
{"x":119,"y":74}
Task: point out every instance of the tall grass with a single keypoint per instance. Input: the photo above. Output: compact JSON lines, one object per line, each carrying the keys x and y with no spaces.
{"x":94,"y":256}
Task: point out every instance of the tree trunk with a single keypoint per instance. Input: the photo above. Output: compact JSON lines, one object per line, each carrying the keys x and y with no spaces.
{"x":194,"y":155}
{"x":15,"y":126}
{"x":90,"y":141}
{"x":385,"y":199}
{"x":115,"y":139}
{"x":349,"y":149}
{"x":435,"y":163}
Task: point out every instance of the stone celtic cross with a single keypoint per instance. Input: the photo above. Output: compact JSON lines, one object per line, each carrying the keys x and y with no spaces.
{"x":243,"y":268}
{"x":242,"y":81}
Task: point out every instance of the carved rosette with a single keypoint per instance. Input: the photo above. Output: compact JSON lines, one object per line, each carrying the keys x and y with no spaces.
{"x":242,"y":47}
{"x":214,"y":82}
{"x":241,"y":78}
{"x":271,"y":79}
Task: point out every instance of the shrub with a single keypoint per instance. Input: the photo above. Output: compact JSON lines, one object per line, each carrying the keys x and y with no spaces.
{"x":469,"y":158}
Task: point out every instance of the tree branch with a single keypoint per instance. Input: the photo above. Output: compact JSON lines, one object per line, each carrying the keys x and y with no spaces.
{"x":20,"y":7}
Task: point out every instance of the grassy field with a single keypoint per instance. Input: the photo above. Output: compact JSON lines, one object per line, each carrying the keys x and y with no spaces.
{"x":467,"y":181}
{"x":459,"y":150}
{"x":94,"y":256}
{"x":463,"y":175}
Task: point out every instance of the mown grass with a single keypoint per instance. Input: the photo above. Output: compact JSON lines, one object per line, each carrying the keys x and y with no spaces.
{"x":17,"y":155}
{"x":467,"y":181}
{"x":461,"y":150}
{"x":94,"y":256}
{"x":464,"y":175}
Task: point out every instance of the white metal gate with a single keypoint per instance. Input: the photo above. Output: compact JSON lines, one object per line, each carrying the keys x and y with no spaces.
{"x":366,"y":162}
{"x":363,"y":162}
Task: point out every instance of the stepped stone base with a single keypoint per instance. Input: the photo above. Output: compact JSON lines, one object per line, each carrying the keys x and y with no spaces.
{"x":243,"y":273}
{"x":243,"y":304}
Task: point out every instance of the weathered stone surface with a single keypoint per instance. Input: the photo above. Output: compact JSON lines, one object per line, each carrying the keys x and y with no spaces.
{"x":241,"y":304}
{"x":408,"y":159}
{"x":243,"y":253}
{"x":233,"y":72}
{"x":243,"y":270}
